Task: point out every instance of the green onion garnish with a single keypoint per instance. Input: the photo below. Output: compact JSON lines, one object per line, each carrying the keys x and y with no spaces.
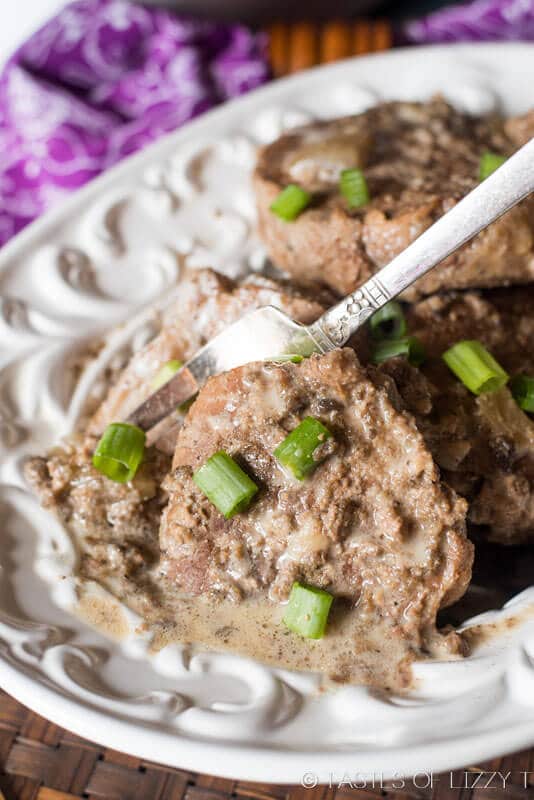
{"x":489,"y":162}
{"x":290,"y":202}
{"x":293,"y":358}
{"x":408,"y":346}
{"x":353,"y":187}
{"x":388,"y":322}
{"x":225,"y":484}
{"x":522,"y":388}
{"x":165,"y":374}
{"x":307,"y":611}
{"x":476,"y":368}
{"x":296,"y":452}
{"x":120,"y":451}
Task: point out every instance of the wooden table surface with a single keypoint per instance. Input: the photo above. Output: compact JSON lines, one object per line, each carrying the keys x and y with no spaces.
{"x":40,"y":761}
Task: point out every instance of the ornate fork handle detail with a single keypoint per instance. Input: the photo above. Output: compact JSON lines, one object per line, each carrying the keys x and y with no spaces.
{"x":337,"y":325}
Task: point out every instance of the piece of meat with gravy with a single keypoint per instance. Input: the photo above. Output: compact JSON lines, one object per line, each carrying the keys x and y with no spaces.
{"x":372,"y":524}
{"x":419,"y":160}
{"x":484,"y":445}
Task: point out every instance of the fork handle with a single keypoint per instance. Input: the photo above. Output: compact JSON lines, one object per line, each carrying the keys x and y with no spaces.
{"x":506,"y":187}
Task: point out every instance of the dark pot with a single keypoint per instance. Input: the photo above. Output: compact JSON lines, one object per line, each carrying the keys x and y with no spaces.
{"x":261,"y":11}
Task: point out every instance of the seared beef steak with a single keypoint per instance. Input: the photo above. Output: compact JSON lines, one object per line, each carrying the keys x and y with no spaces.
{"x":418,"y":160}
{"x":483,"y":445}
{"x":372,"y":524}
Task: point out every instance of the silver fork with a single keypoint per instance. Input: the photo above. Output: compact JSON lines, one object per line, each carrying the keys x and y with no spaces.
{"x":267,"y":332}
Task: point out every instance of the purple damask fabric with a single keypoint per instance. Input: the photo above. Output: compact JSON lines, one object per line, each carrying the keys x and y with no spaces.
{"x":479,"y":21}
{"x":100,"y":81}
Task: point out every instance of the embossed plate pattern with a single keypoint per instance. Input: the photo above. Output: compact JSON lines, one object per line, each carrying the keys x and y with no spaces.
{"x":104,"y":258}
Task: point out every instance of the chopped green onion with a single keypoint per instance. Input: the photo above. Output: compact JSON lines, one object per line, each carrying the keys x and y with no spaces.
{"x":165,"y":374}
{"x":522,"y":388}
{"x":294,"y":358}
{"x":489,"y":162}
{"x":297,"y":450}
{"x":388,"y":322}
{"x":476,"y":368}
{"x":290,"y":202}
{"x":408,"y":346}
{"x":225,"y":484}
{"x":307,"y":611}
{"x":120,"y":451}
{"x":353,"y":187}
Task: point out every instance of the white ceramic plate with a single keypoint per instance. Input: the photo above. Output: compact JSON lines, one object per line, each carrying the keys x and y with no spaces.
{"x":102,"y":258}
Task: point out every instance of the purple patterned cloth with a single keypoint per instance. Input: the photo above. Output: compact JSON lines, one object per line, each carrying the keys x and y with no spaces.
{"x":100,"y":81}
{"x":479,"y":21}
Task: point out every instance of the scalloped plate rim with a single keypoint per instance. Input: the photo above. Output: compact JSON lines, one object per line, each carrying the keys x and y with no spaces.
{"x":185,"y":753}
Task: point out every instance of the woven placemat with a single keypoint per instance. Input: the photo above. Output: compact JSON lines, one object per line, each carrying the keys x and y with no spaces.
{"x":41,"y":761}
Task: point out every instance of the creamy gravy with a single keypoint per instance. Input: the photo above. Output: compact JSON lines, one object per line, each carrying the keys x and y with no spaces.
{"x":483,"y":634}
{"x":103,"y":613}
{"x":351,"y":650}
